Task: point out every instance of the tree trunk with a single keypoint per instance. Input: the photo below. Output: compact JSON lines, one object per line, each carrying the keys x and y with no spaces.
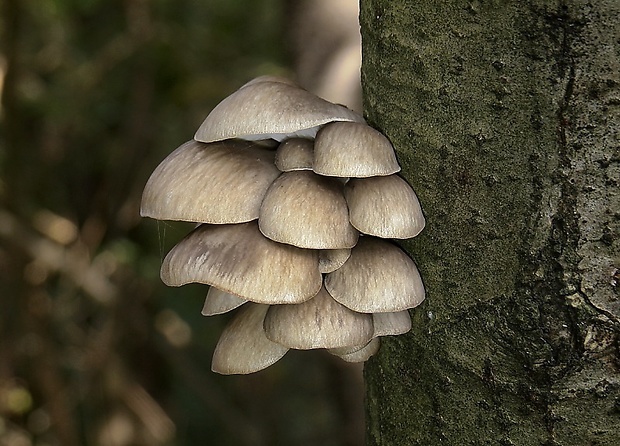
{"x":505,"y":118}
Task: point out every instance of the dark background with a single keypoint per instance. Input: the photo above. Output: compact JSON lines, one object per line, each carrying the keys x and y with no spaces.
{"x":94,"y":349}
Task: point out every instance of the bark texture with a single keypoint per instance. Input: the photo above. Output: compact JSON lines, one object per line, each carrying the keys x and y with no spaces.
{"x":506,"y":120}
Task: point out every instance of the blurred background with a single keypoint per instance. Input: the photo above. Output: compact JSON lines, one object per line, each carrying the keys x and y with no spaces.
{"x":94,"y":349}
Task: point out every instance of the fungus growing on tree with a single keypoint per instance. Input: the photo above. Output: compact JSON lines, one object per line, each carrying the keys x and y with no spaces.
{"x":292,"y":240}
{"x":384,"y":206}
{"x":332,"y":259}
{"x":218,"y":302}
{"x":295,"y":154}
{"x":307,"y":210}
{"x":243,"y":347}
{"x":353,"y":149}
{"x":238,"y":259}
{"x":241,"y":171}
{"x":320,"y":322}
{"x":378,"y":278}
{"x":271,"y":108}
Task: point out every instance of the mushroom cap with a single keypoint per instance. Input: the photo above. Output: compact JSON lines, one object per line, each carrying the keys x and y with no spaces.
{"x":218,"y":302}
{"x":269,"y":78}
{"x":353,"y":149}
{"x":320,"y":322}
{"x":378,"y":278}
{"x":243,"y":347}
{"x":223,"y":182}
{"x":264,"y":108}
{"x":332,"y":259}
{"x":238,"y":259}
{"x":294,"y":154}
{"x":390,"y":324}
{"x":359,"y":353}
{"x":385,"y":324}
{"x":306,"y":210}
{"x":384,"y":206}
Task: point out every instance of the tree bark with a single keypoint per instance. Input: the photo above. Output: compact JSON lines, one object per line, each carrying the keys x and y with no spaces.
{"x":505,"y":118}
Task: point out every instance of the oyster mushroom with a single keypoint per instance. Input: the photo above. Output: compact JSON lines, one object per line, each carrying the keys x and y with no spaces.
{"x":294,"y":154}
{"x":353,"y":149}
{"x":243,"y":347}
{"x":391,"y":324}
{"x":378,"y":278}
{"x":218,"y":302}
{"x":223,"y":182}
{"x":306,"y":210}
{"x":332,"y":259}
{"x":358,"y":353}
{"x":270,"y":108}
{"x":238,"y":259}
{"x":384,"y":206}
{"x":320,"y":322}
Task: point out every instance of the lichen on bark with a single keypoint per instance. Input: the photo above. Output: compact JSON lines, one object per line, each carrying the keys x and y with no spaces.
{"x":505,"y":118}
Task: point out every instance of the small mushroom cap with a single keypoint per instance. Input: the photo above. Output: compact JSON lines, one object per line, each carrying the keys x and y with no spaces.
{"x":243,"y":347}
{"x":306,"y":210}
{"x":332,"y":259}
{"x":378,"y":278}
{"x":266,"y":109}
{"x":353,"y":149}
{"x":385,"y":207}
{"x":238,"y":259}
{"x":391,"y":324}
{"x":294,"y":154}
{"x":224,"y":182}
{"x":218,"y":302}
{"x":320,"y":322}
{"x":358,"y":354}
{"x":385,"y":324}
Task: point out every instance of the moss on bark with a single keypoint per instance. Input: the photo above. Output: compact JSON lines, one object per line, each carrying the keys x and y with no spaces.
{"x":505,"y":118}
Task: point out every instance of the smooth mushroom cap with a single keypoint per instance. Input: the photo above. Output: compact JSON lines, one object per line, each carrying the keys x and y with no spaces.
{"x":391,"y":324}
{"x":238,"y":259}
{"x":352,"y":149}
{"x":385,"y":207}
{"x":243,"y":347}
{"x":269,"y":78}
{"x":266,"y":109}
{"x":378,"y":278}
{"x":218,"y":302}
{"x":320,"y":322}
{"x":361,"y":354}
{"x":223,"y":182}
{"x":294,"y":154}
{"x":306,"y":210}
{"x":332,"y":259}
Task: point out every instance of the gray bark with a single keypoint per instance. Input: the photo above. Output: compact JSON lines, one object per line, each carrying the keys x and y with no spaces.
{"x":505,"y":118}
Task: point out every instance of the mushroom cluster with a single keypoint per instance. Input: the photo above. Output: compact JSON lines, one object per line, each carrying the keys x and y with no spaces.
{"x":295,"y":198}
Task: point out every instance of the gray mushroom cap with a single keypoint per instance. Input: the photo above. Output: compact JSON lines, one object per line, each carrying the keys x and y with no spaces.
{"x":243,"y":347}
{"x":384,"y":206}
{"x":391,"y":324}
{"x":352,"y":149}
{"x":378,"y":278}
{"x":320,"y":322}
{"x":294,"y":154}
{"x":332,"y":259}
{"x":266,"y":108}
{"x":223,"y":182}
{"x":385,"y":324}
{"x":238,"y":259}
{"x":307,"y":210}
{"x":358,"y":353}
{"x":218,"y":302}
